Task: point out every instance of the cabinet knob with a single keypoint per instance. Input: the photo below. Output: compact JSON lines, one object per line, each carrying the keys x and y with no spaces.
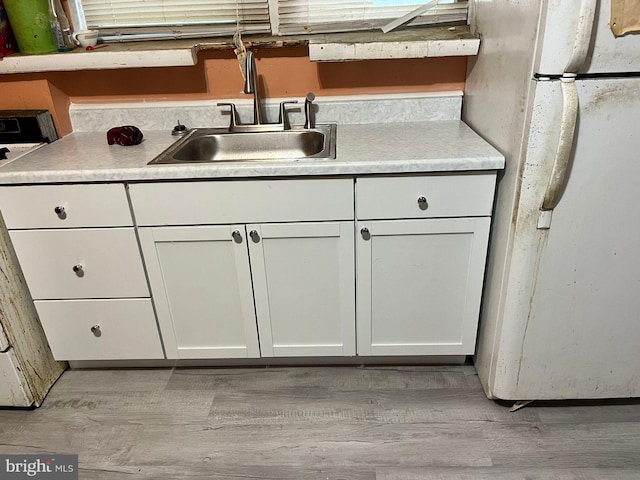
{"x":422,"y":203}
{"x":237,"y":236}
{"x":79,"y":270}
{"x":366,"y":234}
{"x":96,"y":330}
{"x":254,"y":236}
{"x":60,"y":211}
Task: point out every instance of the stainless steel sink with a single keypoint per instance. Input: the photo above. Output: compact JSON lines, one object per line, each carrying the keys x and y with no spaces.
{"x":204,"y":145}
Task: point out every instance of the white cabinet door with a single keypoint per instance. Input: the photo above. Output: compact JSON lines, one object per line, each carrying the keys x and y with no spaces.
{"x":419,"y":284}
{"x":303,"y":277}
{"x":201,"y":286}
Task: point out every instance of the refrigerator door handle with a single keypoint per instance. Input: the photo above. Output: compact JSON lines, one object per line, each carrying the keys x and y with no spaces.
{"x":582,"y":41}
{"x":562,"y":160}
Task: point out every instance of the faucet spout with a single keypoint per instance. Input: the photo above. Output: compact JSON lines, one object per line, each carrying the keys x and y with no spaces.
{"x":251,"y":86}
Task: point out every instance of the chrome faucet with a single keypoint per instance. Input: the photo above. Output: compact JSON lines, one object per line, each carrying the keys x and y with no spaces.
{"x":251,"y":86}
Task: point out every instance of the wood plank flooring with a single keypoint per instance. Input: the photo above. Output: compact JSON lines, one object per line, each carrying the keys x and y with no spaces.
{"x":319,"y":423}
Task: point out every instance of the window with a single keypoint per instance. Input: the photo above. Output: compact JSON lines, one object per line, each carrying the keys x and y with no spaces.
{"x":122,"y":20}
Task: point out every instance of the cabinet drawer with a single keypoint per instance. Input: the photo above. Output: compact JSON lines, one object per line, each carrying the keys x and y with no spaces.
{"x":425,"y":197}
{"x":108,"y":262}
{"x":37,"y":206}
{"x":193,"y":203}
{"x":100,"y":329}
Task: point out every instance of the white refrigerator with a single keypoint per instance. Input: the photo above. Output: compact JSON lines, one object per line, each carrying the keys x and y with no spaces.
{"x":559,"y":96}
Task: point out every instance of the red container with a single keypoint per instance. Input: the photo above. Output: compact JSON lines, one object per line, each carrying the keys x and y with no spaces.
{"x":7,"y":40}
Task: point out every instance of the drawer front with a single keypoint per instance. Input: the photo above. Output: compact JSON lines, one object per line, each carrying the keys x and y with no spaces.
{"x":86,"y":263}
{"x":221,"y":202}
{"x":62,"y":206}
{"x":100,"y":329}
{"x":425,"y":197}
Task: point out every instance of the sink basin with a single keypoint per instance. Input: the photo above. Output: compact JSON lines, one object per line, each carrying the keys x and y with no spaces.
{"x":204,"y":145}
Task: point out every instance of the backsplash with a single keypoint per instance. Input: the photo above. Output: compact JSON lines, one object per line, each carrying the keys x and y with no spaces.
{"x":361,"y":109}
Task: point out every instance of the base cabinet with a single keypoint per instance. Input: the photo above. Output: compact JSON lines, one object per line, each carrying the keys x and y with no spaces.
{"x":369,"y":266}
{"x":211,"y":282}
{"x":419,"y":285}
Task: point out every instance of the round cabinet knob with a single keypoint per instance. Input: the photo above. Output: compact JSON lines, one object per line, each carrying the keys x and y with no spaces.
{"x":60,"y":211}
{"x":78,"y":270}
{"x":366,"y":234}
{"x":96,"y":330}
{"x":237,"y":236}
{"x":254,"y":236}
{"x":422,"y":203}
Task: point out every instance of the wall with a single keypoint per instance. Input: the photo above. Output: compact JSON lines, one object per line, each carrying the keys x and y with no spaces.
{"x":285,"y":72}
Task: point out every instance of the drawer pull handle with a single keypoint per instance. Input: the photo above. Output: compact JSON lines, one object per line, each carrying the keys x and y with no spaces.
{"x":237,"y":237}
{"x":254,"y":236}
{"x":96,"y":330}
{"x":61,"y":212}
{"x":79,"y":270}
{"x":366,"y":234}
{"x":422,"y":203}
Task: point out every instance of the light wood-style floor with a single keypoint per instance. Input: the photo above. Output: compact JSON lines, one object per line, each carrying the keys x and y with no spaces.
{"x":318,"y":423}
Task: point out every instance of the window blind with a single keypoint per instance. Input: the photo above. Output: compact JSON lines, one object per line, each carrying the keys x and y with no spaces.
{"x":322,"y":16}
{"x":127,"y":20}
{"x":148,"y":19}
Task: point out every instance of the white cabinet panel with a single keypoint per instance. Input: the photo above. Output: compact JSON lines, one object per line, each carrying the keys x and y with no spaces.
{"x":197,"y":203}
{"x":110,"y":261}
{"x":201,"y":285}
{"x":303,"y":277}
{"x":467,"y":195}
{"x":419,"y":285}
{"x":100,"y":329}
{"x":14,"y":390}
{"x":34,"y":206}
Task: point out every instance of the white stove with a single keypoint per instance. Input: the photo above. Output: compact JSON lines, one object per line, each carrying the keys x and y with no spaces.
{"x":12,"y":151}
{"x":22,"y":131}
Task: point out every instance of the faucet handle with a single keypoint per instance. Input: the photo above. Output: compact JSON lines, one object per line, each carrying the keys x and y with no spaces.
{"x":283,"y":118}
{"x":234,"y":113}
{"x":309,"y":121}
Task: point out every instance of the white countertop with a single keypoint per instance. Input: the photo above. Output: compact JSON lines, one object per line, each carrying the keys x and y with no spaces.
{"x":422,"y":147}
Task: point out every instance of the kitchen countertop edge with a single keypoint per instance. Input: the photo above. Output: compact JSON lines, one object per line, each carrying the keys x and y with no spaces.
{"x":420,"y":147}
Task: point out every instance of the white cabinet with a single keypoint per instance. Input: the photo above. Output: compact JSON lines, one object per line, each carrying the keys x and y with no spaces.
{"x":218,"y":288}
{"x":256,"y":268}
{"x":419,"y":281}
{"x":88,"y":283}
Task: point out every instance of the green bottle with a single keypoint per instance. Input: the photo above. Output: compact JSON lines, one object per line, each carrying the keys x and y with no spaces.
{"x":29,"y":20}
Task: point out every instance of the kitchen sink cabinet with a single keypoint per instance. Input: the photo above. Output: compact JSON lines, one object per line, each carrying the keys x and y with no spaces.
{"x":204,"y":281}
{"x":219,"y":286}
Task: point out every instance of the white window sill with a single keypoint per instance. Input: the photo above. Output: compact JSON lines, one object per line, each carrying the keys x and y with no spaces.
{"x":411,"y":43}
